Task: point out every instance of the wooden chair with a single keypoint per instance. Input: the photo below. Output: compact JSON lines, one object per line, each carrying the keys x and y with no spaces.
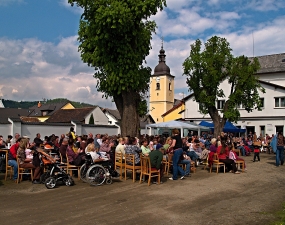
{"x":206,"y":162}
{"x":70,"y":168}
{"x":147,"y":170}
{"x":63,"y":164}
{"x":9,"y":169}
{"x":192,"y":167}
{"x":217,"y":163}
{"x":240,"y":162}
{"x":130,"y":165}
{"x":119,"y":163}
{"x":237,"y":151}
{"x":167,"y":163}
{"x":22,"y":171}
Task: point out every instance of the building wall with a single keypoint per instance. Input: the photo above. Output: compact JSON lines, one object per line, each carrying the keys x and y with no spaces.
{"x":111,"y":119}
{"x":174,"y":115}
{"x":161,"y":100}
{"x":5,"y":130}
{"x":45,"y":130}
{"x":99,"y":117}
{"x":99,"y":130}
{"x":68,"y":106}
{"x":275,"y":78}
{"x":32,"y":130}
{"x":270,"y":118}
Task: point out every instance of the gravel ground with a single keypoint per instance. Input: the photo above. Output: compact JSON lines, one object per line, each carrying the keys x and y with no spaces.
{"x":252,"y":197}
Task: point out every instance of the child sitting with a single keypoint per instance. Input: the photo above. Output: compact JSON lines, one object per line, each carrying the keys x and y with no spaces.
{"x":233,"y":155}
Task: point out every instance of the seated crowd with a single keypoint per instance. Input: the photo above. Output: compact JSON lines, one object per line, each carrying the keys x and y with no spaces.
{"x":73,"y":149}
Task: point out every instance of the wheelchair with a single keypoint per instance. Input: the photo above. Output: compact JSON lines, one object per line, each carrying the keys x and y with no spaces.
{"x":96,"y":173}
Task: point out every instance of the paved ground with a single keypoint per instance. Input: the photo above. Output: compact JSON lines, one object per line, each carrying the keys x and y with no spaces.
{"x":248,"y":198}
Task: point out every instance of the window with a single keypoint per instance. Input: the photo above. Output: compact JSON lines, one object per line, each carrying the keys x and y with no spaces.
{"x":261,"y":102}
{"x":220,"y":104}
{"x":280,"y":102}
{"x":44,"y":113}
{"x":241,"y":106}
{"x":200,"y":106}
{"x":157,"y":86}
{"x":169,"y":86}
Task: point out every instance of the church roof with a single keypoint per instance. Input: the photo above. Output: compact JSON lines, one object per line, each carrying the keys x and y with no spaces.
{"x":162,"y":68}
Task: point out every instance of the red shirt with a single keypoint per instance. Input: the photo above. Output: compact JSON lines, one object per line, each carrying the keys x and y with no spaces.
{"x":224,"y":155}
{"x":13,"y":150}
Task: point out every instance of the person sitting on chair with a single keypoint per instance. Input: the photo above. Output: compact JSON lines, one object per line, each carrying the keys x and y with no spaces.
{"x":102,"y":159}
{"x":156,"y":161}
{"x":12,"y":158}
{"x":132,"y":148}
{"x":26,"y":163}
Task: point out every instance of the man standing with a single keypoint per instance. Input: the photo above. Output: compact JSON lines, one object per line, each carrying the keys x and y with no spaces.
{"x":38,"y":140}
{"x":280,"y":149}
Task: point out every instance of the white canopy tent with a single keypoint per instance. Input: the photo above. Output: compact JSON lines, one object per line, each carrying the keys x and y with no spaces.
{"x":179,"y":125}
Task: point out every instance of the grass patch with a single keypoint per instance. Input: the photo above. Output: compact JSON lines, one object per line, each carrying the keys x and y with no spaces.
{"x":281,"y":216}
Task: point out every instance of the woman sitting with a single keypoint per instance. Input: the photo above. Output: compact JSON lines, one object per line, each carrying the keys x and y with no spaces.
{"x":223,"y":153}
{"x":213,"y":147}
{"x":102,"y":159}
{"x":76,"y":159}
{"x":133,"y":149}
{"x":26,"y":163}
{"x":106,"y":145}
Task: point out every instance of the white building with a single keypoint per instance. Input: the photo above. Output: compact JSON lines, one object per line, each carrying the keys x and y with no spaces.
{"x":1,"y":103}
{"x":272,"y":117}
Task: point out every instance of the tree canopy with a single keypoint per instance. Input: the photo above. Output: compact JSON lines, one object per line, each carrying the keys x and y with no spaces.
{"x":207,"y":69}
{"x":114,"y":38}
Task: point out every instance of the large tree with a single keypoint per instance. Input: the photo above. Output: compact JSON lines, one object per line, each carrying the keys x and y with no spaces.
{"x":114,"y":38}
{"x":206,"y":69}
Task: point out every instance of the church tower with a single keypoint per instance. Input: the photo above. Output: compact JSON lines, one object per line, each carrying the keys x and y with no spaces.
{"x":161,"y":89}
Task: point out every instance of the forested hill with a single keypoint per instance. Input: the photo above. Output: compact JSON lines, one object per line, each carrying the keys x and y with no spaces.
{"x":28,"y":104}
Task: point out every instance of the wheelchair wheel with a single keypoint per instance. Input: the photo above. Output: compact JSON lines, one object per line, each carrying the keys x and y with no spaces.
{"x":83,"y":172}
{"x":50,"y":182}
{"x":96,"y":175}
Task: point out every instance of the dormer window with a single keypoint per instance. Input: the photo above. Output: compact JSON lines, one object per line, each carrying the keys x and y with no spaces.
{"x":44,"y":113}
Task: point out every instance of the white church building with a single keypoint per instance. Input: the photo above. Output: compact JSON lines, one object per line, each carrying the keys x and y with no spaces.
{"x":272,"y":117}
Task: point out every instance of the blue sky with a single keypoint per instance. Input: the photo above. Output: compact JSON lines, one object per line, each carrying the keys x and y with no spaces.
{"x":38,"y":42}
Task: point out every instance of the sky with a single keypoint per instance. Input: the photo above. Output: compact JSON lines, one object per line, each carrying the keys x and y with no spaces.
{"x":39,"y":55}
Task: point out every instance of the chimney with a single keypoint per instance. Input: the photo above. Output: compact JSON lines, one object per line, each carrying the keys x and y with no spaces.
{"x":39,"y":105}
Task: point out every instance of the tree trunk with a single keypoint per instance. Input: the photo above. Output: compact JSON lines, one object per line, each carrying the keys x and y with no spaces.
{"x":127,"y":104}
{"x":219,"y":122}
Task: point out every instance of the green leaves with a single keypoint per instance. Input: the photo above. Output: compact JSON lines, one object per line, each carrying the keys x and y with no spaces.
{"x":207,"y":69}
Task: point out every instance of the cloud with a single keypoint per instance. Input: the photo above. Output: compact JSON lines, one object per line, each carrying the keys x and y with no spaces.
{"x":32,"y":69}
{"x":265,"y":5}
{"x":193,"y":21}
{"x":74,"y":9}
{"x":7,"y":2}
